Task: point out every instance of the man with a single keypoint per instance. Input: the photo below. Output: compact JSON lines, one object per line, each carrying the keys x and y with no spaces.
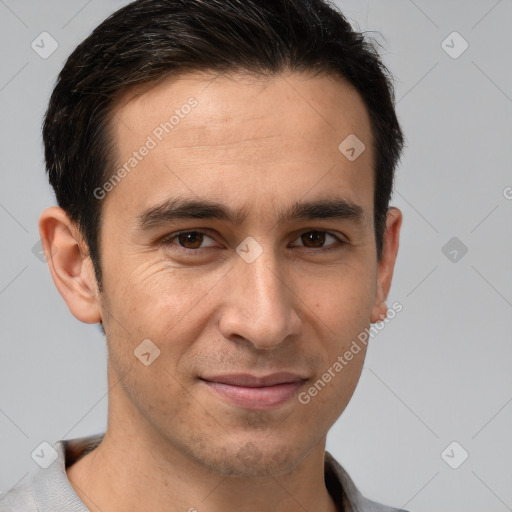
{"x":223,"y":171}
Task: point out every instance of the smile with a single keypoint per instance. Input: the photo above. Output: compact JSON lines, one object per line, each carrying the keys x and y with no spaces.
{"x":258,"y":393}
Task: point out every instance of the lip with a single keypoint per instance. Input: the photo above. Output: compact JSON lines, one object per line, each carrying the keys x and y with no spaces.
{"x":256,"y":392}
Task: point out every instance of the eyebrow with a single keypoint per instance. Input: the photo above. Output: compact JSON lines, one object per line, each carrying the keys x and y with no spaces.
{"x":173,"y":209}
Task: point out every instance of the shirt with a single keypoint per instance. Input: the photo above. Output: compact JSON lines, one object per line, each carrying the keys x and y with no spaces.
{"x":49,"y":490}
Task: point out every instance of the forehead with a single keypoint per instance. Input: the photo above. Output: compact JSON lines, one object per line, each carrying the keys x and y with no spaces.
{"x":241,"y":139}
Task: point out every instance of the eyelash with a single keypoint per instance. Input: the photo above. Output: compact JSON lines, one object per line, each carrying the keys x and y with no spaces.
{"x":334,"y":246}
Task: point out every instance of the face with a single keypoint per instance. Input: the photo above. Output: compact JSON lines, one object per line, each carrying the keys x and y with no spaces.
{"x":241,"y":244}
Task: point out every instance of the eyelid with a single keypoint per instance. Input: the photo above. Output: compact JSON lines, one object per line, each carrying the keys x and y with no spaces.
{"x":167,"y":239}
{"x":334,"y":235}
{"x":340,"y":240}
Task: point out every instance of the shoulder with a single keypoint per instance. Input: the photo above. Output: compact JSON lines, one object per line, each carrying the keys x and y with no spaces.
{"x":47,"y":487}
{"x":353,"y":499}
{"x":18,"y":499}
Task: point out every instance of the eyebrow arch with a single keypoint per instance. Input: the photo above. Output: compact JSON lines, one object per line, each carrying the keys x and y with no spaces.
{"x":172,"y":209}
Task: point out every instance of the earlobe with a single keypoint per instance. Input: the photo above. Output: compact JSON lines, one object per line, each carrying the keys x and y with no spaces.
{"x":380,"y":308}
{"x":70,"y":265}
{"x":387,"y":263}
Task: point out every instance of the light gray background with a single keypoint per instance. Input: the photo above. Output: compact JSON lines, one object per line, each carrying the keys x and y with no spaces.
{"x":439,"y":372}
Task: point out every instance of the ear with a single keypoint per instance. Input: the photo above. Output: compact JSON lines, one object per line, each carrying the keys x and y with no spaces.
{"x":387,"y":263}
{"x":70,"y":265}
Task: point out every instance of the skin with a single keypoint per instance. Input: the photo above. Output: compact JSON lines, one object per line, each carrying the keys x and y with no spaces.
{"x":256,"y":146}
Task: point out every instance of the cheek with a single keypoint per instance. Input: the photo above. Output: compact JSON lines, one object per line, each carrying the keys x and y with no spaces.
{"x":153,"y":295}
{"x":342,"y":298}
{"x":342,"y":308}
{"x":152,"y":300}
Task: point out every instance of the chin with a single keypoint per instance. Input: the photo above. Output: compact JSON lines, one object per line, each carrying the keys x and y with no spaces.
{"x":255,"y":458}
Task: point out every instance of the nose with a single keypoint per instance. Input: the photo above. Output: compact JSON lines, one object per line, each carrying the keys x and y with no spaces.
{"x":259,"y":305}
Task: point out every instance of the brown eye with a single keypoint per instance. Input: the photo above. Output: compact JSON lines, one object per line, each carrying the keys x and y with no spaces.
{"x":318,"y":239}
{"x":190,"y":239}
{"x":313,"y":238}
